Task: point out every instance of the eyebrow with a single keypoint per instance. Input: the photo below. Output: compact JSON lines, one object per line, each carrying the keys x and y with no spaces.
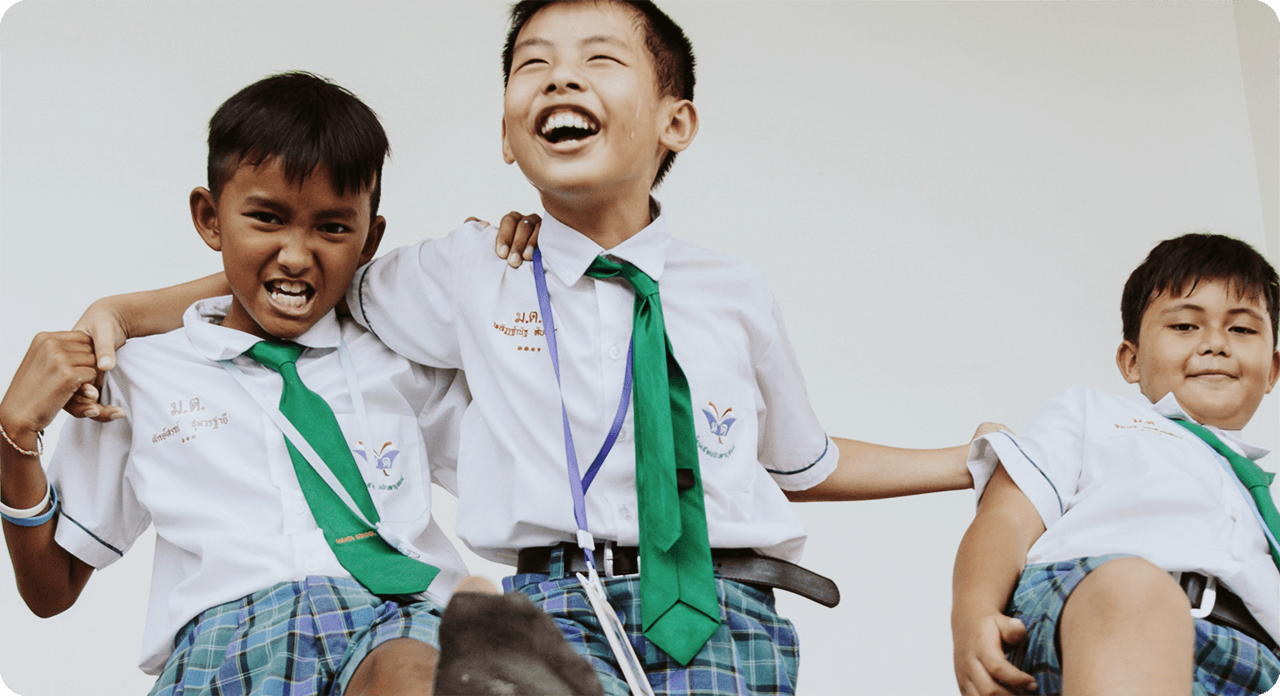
{"x":267,"y":202}
{"x":536,"y":41}
{"x":1250,"y":311}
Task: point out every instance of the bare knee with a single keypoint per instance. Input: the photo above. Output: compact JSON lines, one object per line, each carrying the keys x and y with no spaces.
{"x":1128,"y":588}
{"x":1127,"y":629}
{"x":403,"y":666}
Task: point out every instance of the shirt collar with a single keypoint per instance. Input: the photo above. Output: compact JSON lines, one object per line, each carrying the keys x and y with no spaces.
{"x":568,"y":253}
{"x":202,"y":323}
{"x":1169,"y":407}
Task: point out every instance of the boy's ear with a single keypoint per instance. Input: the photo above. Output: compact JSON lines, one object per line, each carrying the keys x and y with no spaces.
{"x":372,"y":240}
{"x":1275,"y":370}
{"x":204,"y":213}
{"x":507,"y":155}
{"x":1127,"y":361}
{"x":680,"y":127}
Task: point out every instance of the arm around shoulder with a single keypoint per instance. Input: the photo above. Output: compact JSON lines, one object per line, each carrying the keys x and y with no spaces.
{"x":112,"y":320}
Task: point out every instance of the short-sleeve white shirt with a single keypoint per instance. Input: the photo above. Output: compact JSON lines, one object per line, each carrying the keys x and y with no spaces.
{"x":1114,"y":475}
{"x":197,"y":457}
{"x":453,"y":303}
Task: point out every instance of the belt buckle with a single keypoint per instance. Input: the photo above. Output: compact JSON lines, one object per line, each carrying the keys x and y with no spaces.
{"x":608,"y":557}
{"x":1207,"y":599}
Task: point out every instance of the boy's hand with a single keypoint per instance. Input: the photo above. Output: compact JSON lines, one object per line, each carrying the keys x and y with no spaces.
{"x":517,"y":237}
{"x":102,"y":323}
{"x":988,"y":428}
{"x":55,"y":366}
{"x":980,"y":664}
{"x":106,"y":330}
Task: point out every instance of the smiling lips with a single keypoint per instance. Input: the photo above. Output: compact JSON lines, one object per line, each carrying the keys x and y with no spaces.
{"x":567,"y":124}
{"x":1218,"y":374}
{"x":290,"y":294}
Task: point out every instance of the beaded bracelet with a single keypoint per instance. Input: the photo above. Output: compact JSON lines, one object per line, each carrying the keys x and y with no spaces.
{"x":39,"y":443}
{"x":28,"y":517}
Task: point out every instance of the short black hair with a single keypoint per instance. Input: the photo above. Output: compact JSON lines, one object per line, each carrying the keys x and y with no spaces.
{"x":306,"y":121}
{"x":1177,"y":265}
{"x":669,"y":48}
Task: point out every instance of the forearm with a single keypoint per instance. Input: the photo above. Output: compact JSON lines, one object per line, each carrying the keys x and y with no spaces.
{"x":988,"y":564}
{"x":48,"y":577}
{"x":867,"y":472}
{"x":157,"y":311}
{"x":994,"y":550}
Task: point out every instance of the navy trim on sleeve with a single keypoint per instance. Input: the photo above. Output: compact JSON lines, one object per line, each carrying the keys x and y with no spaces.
{"x":95,"y":536}
{"x":814,"y":463}
{"x":1061,"y":508}
{"x":360,"y":289}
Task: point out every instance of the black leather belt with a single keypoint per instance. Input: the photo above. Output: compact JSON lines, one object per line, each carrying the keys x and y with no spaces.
{"x":1228,"y":609}
{"x":742,"y":565}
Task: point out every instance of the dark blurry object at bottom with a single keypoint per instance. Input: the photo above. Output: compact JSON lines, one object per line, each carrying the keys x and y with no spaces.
{"x":502,"y":644}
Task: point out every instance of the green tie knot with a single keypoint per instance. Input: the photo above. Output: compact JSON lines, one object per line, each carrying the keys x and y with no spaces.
{"x":274,"y":354}
{"x":644,"y":286}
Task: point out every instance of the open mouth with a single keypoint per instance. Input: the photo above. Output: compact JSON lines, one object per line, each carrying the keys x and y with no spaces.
{"x":292,"y":294}
{"x":566,"y":124}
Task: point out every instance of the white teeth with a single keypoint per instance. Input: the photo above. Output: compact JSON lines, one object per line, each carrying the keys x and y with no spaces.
{"x":289,"y":300}
{"x":566,"y":119}
{"x":292,"y":286}
{"x":289,"y":293}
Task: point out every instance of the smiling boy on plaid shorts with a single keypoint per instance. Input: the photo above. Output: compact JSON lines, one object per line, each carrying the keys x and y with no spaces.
{"x":1146,"y":532}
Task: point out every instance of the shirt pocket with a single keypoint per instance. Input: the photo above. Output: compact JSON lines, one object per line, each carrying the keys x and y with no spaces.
{"x":394,"y":466}
{"x":725,"y":423}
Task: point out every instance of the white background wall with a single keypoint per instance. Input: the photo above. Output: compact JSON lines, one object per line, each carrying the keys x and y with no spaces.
{"x":946,"y":197}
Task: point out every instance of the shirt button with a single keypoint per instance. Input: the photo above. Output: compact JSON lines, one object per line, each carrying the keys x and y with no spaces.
{"x":625,"y":512}
{"x":311,"y":566}
{"x":299,"y":507}
{"x":615,"y":353}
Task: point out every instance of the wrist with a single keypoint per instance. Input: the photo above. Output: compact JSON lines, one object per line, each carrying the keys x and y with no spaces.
{"x":20,"y":434}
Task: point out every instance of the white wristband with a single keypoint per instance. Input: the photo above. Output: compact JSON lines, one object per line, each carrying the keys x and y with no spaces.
{"x":29,"y":512}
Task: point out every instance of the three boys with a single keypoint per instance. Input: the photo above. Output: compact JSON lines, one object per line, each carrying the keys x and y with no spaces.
{"x":570,"y":197}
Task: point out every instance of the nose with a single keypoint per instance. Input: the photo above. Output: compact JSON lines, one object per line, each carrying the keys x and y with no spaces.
{"x":294,"y":256}
{"x":1214,"y":341}
{"x":563,"y":77}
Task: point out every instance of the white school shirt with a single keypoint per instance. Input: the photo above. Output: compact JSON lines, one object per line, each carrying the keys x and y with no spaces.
{"x":1114,"y":475}
{"x":452,"y":303}
{"x":196,"y":456}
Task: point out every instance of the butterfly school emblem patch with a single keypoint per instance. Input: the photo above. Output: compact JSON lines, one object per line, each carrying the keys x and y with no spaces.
{"x":385,"y":456}
{"x":719,"y":424}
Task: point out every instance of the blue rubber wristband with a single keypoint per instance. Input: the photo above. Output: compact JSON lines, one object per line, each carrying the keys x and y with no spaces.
{"x":40,"y":519}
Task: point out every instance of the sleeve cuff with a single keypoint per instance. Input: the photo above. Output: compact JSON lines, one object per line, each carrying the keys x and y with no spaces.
{"x":1002,"y":448}
{"x":811,"y":475}
{"x":84,"y":544}
{"x":355,"y":296}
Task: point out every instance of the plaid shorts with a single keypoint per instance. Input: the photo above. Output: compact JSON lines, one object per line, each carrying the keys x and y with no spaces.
{"x":1228,"y":663}
{"x":294,"y":638}
{"x":754,"y":652}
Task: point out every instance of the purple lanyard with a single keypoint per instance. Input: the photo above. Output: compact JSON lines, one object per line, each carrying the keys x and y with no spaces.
{"x":578,"y":484}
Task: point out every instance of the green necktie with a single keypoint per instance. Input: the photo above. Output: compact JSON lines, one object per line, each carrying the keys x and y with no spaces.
{"x":1251,"y":475}
{"x":679,"y":608}
{"x":369,"y":559}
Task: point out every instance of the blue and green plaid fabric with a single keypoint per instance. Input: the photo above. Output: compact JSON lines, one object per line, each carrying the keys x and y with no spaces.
{"x":755,"y":651}
{"x":291,"y":639}
{"x":1228,"y":663}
